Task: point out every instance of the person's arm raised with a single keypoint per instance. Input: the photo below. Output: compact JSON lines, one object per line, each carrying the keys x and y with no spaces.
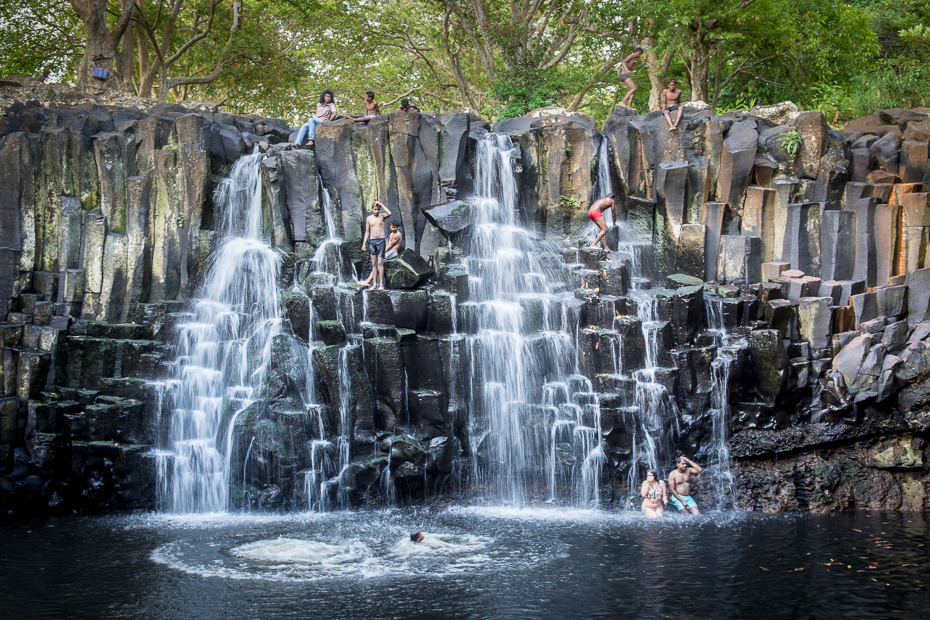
{"x":385,"y":211}
{"x":695,"y":468}
{"x":644,"y":488}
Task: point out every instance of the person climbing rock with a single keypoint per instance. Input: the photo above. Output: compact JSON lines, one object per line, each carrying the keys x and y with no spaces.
{"x":325,"y":112}
{"x":596,"y":215}
{"x":626,"y":68}
{"x":679,"y":483}
{"x":671,"y":101}
{"x":371,"y":109}
{"x":394,"y":242}
{"x":374,"y":242}
{"x":406,"y":106}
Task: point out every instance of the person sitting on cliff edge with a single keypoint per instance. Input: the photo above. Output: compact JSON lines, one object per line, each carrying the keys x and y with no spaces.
{"x":325,"y":112}
{"x":374,"y":242}
{"x":671,"y":101}
{"x":596,"y":215}
{"x":372,"y":109}
{"x":679,"y":483}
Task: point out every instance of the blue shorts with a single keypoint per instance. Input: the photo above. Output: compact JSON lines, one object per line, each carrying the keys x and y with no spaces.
{"x":689,"y":503}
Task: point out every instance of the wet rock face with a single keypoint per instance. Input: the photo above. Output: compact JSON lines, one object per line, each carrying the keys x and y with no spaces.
{"x":814,"y":267}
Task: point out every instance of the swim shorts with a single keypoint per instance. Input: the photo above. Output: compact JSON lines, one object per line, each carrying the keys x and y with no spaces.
{"x":689,"y":503}
{"x":390,"y":255}
{"x":672,"y":108}
{"x":624,"y":77}
{"x":593,"y":214}
{"x":376,"y":247}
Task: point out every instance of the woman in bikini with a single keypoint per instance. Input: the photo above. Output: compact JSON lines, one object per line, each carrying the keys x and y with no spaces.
{"x":654,"y":496}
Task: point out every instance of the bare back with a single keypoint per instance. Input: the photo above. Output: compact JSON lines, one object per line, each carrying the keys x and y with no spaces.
{"x":394,"y":242}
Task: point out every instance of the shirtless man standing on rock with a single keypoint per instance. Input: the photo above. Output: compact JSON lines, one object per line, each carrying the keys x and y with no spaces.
{"x":679,"y":485}
{"x":374,"y":242}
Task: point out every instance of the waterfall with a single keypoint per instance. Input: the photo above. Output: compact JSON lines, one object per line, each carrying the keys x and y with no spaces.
{"x":328,"y":255}
{"x":604,"y":186}
{"x":722,"y":482}
{"x":222,"y":347}
{"x":522,"y":340}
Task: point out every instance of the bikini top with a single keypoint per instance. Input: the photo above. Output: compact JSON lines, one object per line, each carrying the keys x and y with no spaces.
{"x":654,"y":491}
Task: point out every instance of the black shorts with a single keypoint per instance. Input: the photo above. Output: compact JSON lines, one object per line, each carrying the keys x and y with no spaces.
{"x":376,"y":247}
{"x":672,"y":108}
{"x":624,"y":77}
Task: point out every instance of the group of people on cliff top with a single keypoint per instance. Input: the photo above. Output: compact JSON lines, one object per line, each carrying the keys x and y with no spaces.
{"x":326,"y":109}
{"x":379,"y":248}
{"x":326,"y":112}
{"x":655,"y":492}
{"x":671,"y":96}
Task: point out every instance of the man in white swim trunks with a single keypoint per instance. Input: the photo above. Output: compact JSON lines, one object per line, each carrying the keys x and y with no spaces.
{"x":679,"y":484}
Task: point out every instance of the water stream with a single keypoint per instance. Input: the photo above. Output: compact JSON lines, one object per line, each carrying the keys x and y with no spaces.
{"x":222,"y":349}
{"x":522,"y":324}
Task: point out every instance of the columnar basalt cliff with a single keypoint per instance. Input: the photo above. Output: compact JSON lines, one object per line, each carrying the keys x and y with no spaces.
{"x":766,"y":311}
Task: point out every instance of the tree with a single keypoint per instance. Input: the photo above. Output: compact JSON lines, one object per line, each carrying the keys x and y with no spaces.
{"x":102,"y":42}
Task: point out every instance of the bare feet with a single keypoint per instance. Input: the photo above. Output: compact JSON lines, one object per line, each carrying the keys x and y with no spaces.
{"x":592,"y":247}
{"x":372,"y":287}
{"x":308,"y":143}
{"x":381,"y":288}
{"x":365,"y":282}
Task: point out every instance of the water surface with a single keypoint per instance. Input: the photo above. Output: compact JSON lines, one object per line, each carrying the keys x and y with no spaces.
{"x":474,"y":563}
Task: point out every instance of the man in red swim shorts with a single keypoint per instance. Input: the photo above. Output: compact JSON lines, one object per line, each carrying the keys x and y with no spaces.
{"x":596,"y":215}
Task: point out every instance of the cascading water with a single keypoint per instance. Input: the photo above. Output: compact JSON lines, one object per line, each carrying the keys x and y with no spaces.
{"x":721,"y":478}
{"x":604,"y":187}
{"x":522,"y":345}
{"x":222,"y":349}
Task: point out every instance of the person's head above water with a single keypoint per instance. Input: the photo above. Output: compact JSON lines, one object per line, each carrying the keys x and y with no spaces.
{"x":416,"y":536}
{"x":329,"y":93}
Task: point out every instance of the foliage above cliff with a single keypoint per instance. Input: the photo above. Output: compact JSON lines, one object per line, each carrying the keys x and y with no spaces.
{"x":500,"y":59}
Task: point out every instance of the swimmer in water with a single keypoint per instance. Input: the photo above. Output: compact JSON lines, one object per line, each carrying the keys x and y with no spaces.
{"x":416,"y":537}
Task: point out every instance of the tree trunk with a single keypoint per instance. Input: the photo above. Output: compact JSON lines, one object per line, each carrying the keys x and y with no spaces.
{"x":699,"y":63}
{"x":101,"y":44}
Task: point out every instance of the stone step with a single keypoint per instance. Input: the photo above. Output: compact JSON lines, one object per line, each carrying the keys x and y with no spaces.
{"x":115,"y":331}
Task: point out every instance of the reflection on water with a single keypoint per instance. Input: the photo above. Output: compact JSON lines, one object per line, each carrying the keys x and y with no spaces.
{"x":473,"y":562}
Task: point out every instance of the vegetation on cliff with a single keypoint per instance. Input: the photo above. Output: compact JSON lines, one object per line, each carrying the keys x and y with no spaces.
{"x":845,"y":58}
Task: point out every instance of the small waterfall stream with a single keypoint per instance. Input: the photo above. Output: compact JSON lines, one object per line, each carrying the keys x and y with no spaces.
{"x":222,"y":348}
{"x":604,"y":186}
{"x":722,"y":482}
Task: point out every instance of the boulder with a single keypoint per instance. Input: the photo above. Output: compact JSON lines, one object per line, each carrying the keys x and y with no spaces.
{"x":408,"y":270}
{"x":453,"y":218}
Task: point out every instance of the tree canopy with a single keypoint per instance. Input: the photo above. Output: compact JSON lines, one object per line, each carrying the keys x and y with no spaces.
{"x":499,"y":58}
